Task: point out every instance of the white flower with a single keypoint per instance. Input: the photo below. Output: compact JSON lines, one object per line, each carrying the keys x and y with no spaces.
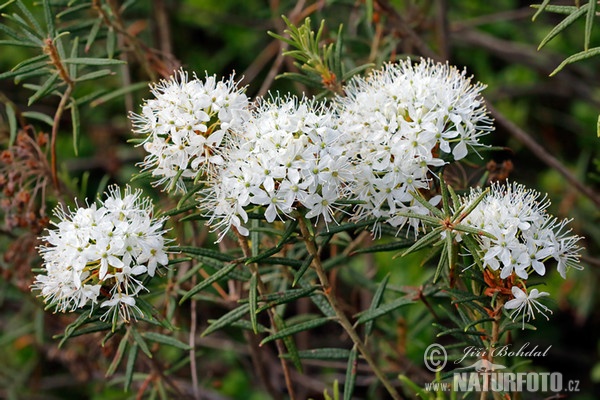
{"x":526,"y":236}
{"x":186,"y":124}
{"x":526,"y":304}
{"x":100,"y":254}
{"x":399,"y":119}
{"x":290,"y":154}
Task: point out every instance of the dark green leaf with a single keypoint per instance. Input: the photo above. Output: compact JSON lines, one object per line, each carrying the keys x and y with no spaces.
{"x":49,"y":18}
{"x":92,"y":61}
{"x":227,"y":319}
{"x":351,"y":374}
{"x":302,"y":270}
{"x":577,"y":57}
{"x":589,"y":23}
{"x":252,"y":295}
{"x":391,"y":246}
{"x":118,"y":355}
{"x":139,"y":341}
{"x":208,"y":281}
{"x":564,"y":24}
{"x":94,"y":75}
{"x":290,"y":330}
{"x":377,"y":297}
{"x":540,"y":9}
{"x":369,"y":315}
{"x":164,"y":339}
{"x":285,"y":297}
{"x":133,"y":350}
{"x":332,"y":353}
{"x":38,"y":116}
{"x":46,"y":88}
{"x":201,"y":251}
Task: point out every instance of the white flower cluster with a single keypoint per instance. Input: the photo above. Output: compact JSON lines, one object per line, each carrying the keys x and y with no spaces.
{"x":401,"y":119}
{"x":186,"y":124}
{"x":289,"y":153}
{"x":101,"y":254}
{"x":526,"y":237}
{"x":373,"y":146}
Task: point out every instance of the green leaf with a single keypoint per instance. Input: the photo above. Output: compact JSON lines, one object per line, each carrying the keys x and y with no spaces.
{"x":351,"y":374}
{"x":577,"y":57}
{"x":34,"y":23}
{"x":290,"y":330}
{"x":49,"y":18}
{"x":557,"y":9}
{"x":76,"y":126}
{"x":302,"y":270}
{"x":93,"y":34}
{"x":563,"y":24}
{"x":139,"y":341}
{"x":111,"y":42}
{"x":164,"y":339}
{"x":252,"y":294}
{"x":331,"y":353}
{"x":14,"y":128}
{"x":369,"y":315}
{"x":35,"y":67}
{"x":38,"y":116}
{"x":94,"y":75}
{"x":201,"y":251}
{"x":119,"y":92}
{"x":118,"y":355}
{"x":347,"y":227}
{"x":392,"y":246}
{"x":288,"y":341}
{"x":226,"y":319}
{"x":208,"y":281}
{"x":589,"y":24}
{"x":426,"y":240}
{"x":285,"y":297}
{"x":540,"y":8}
{"x":154,"y":315}
{"x":133,"y":350}
{"x":375,"y":303}
{"x":46,"y":88}
{"x":92,"y":61}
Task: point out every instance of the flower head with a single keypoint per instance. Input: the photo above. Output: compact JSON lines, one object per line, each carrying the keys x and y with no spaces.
{"x":526,"y":236}
{"x":289,"y":154}
{"x":100,"y":253}
{"x":401,"y":119}
{"x":185,"y":125}
{"x":526,"y":304}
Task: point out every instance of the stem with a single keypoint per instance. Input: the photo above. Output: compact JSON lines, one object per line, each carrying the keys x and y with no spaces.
{"x":262,"y":289}
{"x":341,"y":317}
{"x":192,"y":343}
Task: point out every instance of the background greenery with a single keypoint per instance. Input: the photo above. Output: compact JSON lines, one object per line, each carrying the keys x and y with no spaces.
{"x":497,"y":43}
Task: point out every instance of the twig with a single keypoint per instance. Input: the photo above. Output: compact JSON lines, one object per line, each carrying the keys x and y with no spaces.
{"x":341,"y":317}
{"x":262,"y":289}
{"x":407,"y":31}
{"x":543,"y":154}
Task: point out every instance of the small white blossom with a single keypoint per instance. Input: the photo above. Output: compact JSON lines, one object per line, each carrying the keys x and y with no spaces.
{"x":186,"y":124}
{"x":101,"y":253}
{"x":526,"y":304}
